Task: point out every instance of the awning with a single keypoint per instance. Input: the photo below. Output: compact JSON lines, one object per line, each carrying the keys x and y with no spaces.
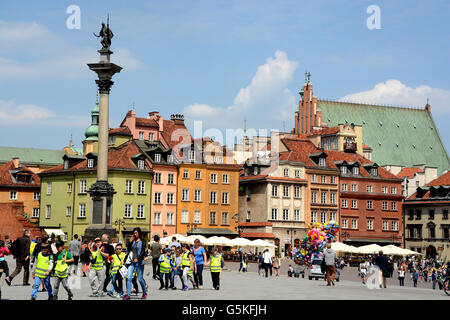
{"x":370,"y":241}
{"x":56,"y":232}
{"x":212,"y":232}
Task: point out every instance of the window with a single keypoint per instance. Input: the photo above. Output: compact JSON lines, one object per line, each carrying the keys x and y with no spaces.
{"x":393,"y":205}
{"x":344,"y":224}
{"x":198,"y":174}
{"x":323,"y":197}
{"x":445,"y":214}
{"x":274,"y":214}
{"x":432,"y":232}
{"x":430,"y":214}
{"x":344,"y":203}
{"x":112,"y":140}
{"x":129,"y":186}
{"x":411,"y":214}
{"x":393,"y":190}
{"x":286,"y":172}
{"x":333,"y":216}
{"x":141,"y":187}
{"x":141,"y":135}
{"x":197,"y":216}
{"x":35,"y":213}
{"x":141,"y":164}
{"x":213,"y":177}
{"x":333,"y":198}
{"x":296,"y":192}
{"x":13,"y":195}
{"x":333,"y":179}
{"x":48,"y":212}
{"x":191,"y":155}
{"x":395,"y":225}
{"x":69,"y":188}
{"x":297,"y":215}
{"x":314,"y":178}
{"x":225,"y":179}
{"x":82,"y":210}
{"x":285,"y":191}
{"x":170,"y":158}
{"x":170,"y":178}
{"x":384,"y":205}
{"x":274,"y":191}
{"x":369,"y":188}
{"x":285,"y":214}
{"x":323,"y":179}
{"x":225,"y":199}
{"x":224,"y":218}
{"x":344,"y":170}
{"x":184,"y":216}
{"x":90,"y":163}
{"x":344,"y":187}
{"x":297,"y":173}
{"x":213,"y":197}
{"x":384,"y":189}
{"x":313,"y":196}
{"x":170,"y":220}
{"x":255,"y":171}
{"x":323,"y":217}
{"x":369,"y":204}
{"x":36,"y":195}
{"x":150,"y":136}
{"x":248,"y":216}
{"x":157,"y":218}
{"x":355,"y":170}
{"x":313,"y":217}
{"x":185,"y":195}
{"x":385,"y":225}
{"x":66,"y":164}
{"x":140,"y":211}
{"x":157,"y":198}
{"x":322,"y":162}
{"x":374,"y":172}
{"x":418,"y":214}
{"x":157,"y":157}
{"x":369,"y":224}
{"x":212,"y":218}
{"x":170,"y":198}
{"x":197,"y":195}
{"x":157,"y":177}
{"x":83,"y":186}
{"x":354,"y":204}
{"x":354,"y":187}
{"x":49,"y":188}
{"x":128,"y":211}
{"x":354,"y":224}
{"x":68,"y":211}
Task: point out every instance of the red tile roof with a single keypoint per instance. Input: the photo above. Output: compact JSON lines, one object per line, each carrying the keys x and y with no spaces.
{"x":326,"y":131}
{"x":174,"y":134}
{"x":121,"y":130}
{"x":144,"y":122}
{"x":443,"y":180}
{"x":364,"y":146}
{"x":408,"y":172}
{"x":7,"y":180}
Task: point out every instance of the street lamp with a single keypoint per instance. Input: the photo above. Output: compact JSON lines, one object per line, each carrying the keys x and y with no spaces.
{"x":345,"y":236}
{"x":119,"y":223}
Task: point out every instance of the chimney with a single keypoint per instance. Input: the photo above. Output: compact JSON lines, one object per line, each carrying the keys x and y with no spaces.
{"x":177,"y":118}
{"x":153,"y":115}
{"x":15,"y":161}
{"x":160,"y":123}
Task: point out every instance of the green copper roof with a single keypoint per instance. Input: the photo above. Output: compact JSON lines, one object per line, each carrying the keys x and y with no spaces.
{"x":398,"y":136}
{"x":91,"y":132}
{"x":31,"y":156}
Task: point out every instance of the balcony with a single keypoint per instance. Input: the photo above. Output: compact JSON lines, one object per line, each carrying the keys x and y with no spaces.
{"x":349,"y":146}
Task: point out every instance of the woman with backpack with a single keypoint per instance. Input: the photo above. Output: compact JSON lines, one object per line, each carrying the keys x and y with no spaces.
{"x":136,"y":261}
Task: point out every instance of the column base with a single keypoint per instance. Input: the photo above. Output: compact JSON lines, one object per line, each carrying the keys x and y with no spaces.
{"x":96,"y":232}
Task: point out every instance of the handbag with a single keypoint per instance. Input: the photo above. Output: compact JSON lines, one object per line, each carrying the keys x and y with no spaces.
{"x":123,"y":272}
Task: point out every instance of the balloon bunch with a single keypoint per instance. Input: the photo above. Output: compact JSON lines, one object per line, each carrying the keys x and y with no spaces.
{"x":314,"y":241}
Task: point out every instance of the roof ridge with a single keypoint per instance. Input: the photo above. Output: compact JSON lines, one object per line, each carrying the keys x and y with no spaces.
{"x":374,"y":104}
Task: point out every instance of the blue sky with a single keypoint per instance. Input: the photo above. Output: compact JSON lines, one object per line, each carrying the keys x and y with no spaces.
{"x":216,"y":61}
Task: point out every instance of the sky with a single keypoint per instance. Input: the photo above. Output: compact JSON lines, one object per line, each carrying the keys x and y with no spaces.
{"x":218,"y":62}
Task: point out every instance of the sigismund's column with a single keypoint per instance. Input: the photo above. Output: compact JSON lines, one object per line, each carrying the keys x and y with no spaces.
{"x":101,"y":191}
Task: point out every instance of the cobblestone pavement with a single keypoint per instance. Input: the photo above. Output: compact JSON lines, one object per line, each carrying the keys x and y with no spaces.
{"x":245,"y":286}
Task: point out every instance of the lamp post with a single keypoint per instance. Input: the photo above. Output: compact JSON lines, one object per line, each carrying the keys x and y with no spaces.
{"x":236,"y":222}
{"x":345,"y":236}
{"x":121,"y":224}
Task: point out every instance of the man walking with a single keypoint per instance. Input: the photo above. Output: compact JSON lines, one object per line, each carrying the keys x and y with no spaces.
{"x":75,"y":250}
{"x":329,"y":256}
{"x":155,"y":252}
{"x":267,"y":260}
{"x":382,"y":263}
{"x":21,"y":252}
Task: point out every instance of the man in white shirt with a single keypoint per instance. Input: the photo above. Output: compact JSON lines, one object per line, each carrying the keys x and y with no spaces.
{"x":267,"y":261}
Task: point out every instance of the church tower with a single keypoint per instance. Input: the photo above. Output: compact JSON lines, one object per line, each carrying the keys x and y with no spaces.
{"x":308,"y":117}
{"x":90,"y":144}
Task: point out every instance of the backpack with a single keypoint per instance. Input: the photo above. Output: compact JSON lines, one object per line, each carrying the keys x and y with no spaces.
{"x":15,"y":248}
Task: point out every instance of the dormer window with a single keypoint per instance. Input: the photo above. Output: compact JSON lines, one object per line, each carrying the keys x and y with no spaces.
{"x":322,"y":162}
{"x":344,"y":170}
{"x":286,"y":172}
{"x":170,"y":158}
{"x":141,"y":165}
{"x":66,"y":164}
{"x":157,"y":157}
{"x":246,"y":172}
{"x":355,"y":170}
{"x":255,"y":171}
{"x":141,"y":135}
{"x":150,"y":136}
{"x":90,"y":163}
{"x":374,"y":172}
{"x":191,"y":155}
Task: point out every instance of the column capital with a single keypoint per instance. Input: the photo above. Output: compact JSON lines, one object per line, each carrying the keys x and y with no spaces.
{"x":104,"y":85}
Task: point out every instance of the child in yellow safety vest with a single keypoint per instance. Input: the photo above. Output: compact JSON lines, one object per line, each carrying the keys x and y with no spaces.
{"x":42,"y":268}
{"x":116,"y":278}
{"x":188,"y":266}
{"x":215,"y":264}
{"x":164,"y":269}
{"x":61,"y":271}
{"x":97,"y":268}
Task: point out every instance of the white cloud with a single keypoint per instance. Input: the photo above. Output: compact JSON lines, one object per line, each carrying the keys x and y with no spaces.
{"x":265,"y":98}
{"x":396,"y":93}
{"x":16,"y":33}
{"x":12,"y":114}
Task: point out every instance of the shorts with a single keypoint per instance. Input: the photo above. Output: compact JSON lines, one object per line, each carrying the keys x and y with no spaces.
{"x":363,"y":274}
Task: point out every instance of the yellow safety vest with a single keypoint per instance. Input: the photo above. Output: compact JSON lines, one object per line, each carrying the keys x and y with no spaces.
{"x":62,"y":268}
{"x":99,"y":261}
{"x":32,"y":246}
{"x":216,"y":263}
{"x":117,"y":262}
{"x":164,"y":266}
{"x":185,"y":261}
{"x":42,"y":265}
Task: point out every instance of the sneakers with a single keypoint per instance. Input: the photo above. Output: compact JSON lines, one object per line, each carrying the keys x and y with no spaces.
{"x":116,"y":295}
{"x":126,"y":297}
{"x":200,"y":287}
{"x":110,"y":294}
{"x":144,"y":296}
{"x":33,"y":298}
{"x":70,"y":298}
{"x":26,"y":284}
{"x":160,"y":288}
{"x":173,"y":288}
{"x":94,"y":295}
{"x":8,"y":281}
{"x":186,"y":288}
{"x":44,"y":290}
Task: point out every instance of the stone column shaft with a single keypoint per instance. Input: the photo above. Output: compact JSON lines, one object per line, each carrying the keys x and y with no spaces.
{"x":103,"y":128}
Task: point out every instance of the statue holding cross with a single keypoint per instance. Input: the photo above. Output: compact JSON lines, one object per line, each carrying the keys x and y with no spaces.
{"x":106,"y":35}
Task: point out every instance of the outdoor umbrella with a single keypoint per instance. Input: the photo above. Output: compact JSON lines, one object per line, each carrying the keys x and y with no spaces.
{"x":342,"y":247}
{"x":261,"y":243}
{"x":369,"y":249}
{"x":219,"y":241}
{"x":241,"y":242}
